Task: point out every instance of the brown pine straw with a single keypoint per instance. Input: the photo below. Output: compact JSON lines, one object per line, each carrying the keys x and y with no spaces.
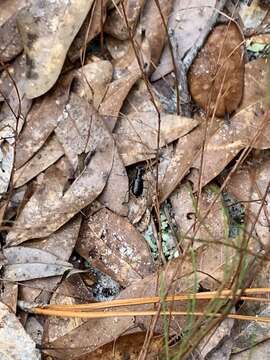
{"x":86,"y":310}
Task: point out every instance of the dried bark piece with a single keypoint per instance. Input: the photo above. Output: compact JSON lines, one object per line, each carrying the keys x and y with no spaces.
{"x":115,"y":247}
{"x":219,"y":69}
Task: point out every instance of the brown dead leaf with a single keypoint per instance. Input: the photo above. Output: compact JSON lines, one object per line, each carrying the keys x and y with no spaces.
{"x":136,"y":134}
{"x":187,"y":19}
{"x":70,"y":291}
{"x":219,"y":69}
{"x":151,"y":22}
{"x":106,"y":330}
{"x":214,"y":228}
{"x":60,"y":244}
{"x":92,"y":80}
{"x":49,"y":153}
{"x":11,"y":43}
{"x":116,"y":24}
{"x":248,"y":184}
{"x":115,"y":247}
{"x":185,"y":152}
{"x":118,"y":90}
{"x":126,"y":347}
{"x":47,"y":31}
{"x":250,"y":121}
{"x":52,"y":206}
{"x":25,"y":263}
{"x":41,"y":121}
{"x":90,"y":28}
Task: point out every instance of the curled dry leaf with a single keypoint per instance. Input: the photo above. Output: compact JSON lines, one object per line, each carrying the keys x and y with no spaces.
{"x":41,"y":121}
{"x":116,"y":24}
{"x":25,"y":263}
{"x":216,"y":78}
{"x":15,"y":343}
{"x":11,"y":43}
{"x":248,"y":185}
{"x":136,"y":134}
{"x":115,"y":247}
{"x":215,"y":226}
{"x":47,"y":31}
{"x":187,"y":19}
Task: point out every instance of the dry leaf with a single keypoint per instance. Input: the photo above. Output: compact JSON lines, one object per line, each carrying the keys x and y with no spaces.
{"x":136,"y":134}
{"x":106,"y":330}
{"x":25,"y":263}
{"x":115,"y":247}
{"x":116,"y":24}
{"x":41,"y":121}
{"x":126,"y":347}
{"x":15,"y":343}
{"x":50,"y":152}
{"x":90,"y":28}
{"x":248,"y":184}
{"x":217,"y":74}
{"x":187,"y":19}
{"x":152,"y":23}
{"x":92,"y":80}
{"x":47,"y":31}
{"x":60,"y":244}
{"x":51,"y":207}
{"x":215,"y":226}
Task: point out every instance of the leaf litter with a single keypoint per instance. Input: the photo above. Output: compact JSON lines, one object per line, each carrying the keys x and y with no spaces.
{"x":130,"y":133}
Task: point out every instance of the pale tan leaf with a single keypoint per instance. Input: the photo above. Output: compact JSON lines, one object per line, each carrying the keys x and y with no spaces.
{"x":47,"y":31}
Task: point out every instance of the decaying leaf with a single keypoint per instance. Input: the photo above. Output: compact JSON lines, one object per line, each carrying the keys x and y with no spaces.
{"x":249,"y":185}
{"x":116,"y":24}
{"x":106,"y":330}
{"x":152,"y":23}
{"x":92,"y":80}
{"x":214,"y":227}
{"x":126,"y":347}
{"x":15,"y":344}
{"x":187,"y":19}
{"x":184,"y":154}
{"x":136,"y":134}
{"x":41,"y":121}
{"x":47,"y":30}
{"x":70,"y":291}
{"x":52,"y":206}
{"x":216,"y":78}
{"x":25,"y":263}
{"x":50,"y":152}
{"x":117,"y":90}
{"x":115,"y":247}
{"x":91,"y":26}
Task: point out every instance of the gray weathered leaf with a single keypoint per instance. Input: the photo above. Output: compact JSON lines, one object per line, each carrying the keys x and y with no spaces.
{"x":25,"y":263}
{"x":15,"y":343}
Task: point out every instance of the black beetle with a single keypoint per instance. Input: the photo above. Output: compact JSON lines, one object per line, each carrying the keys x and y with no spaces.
{"x":137,"y":183}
